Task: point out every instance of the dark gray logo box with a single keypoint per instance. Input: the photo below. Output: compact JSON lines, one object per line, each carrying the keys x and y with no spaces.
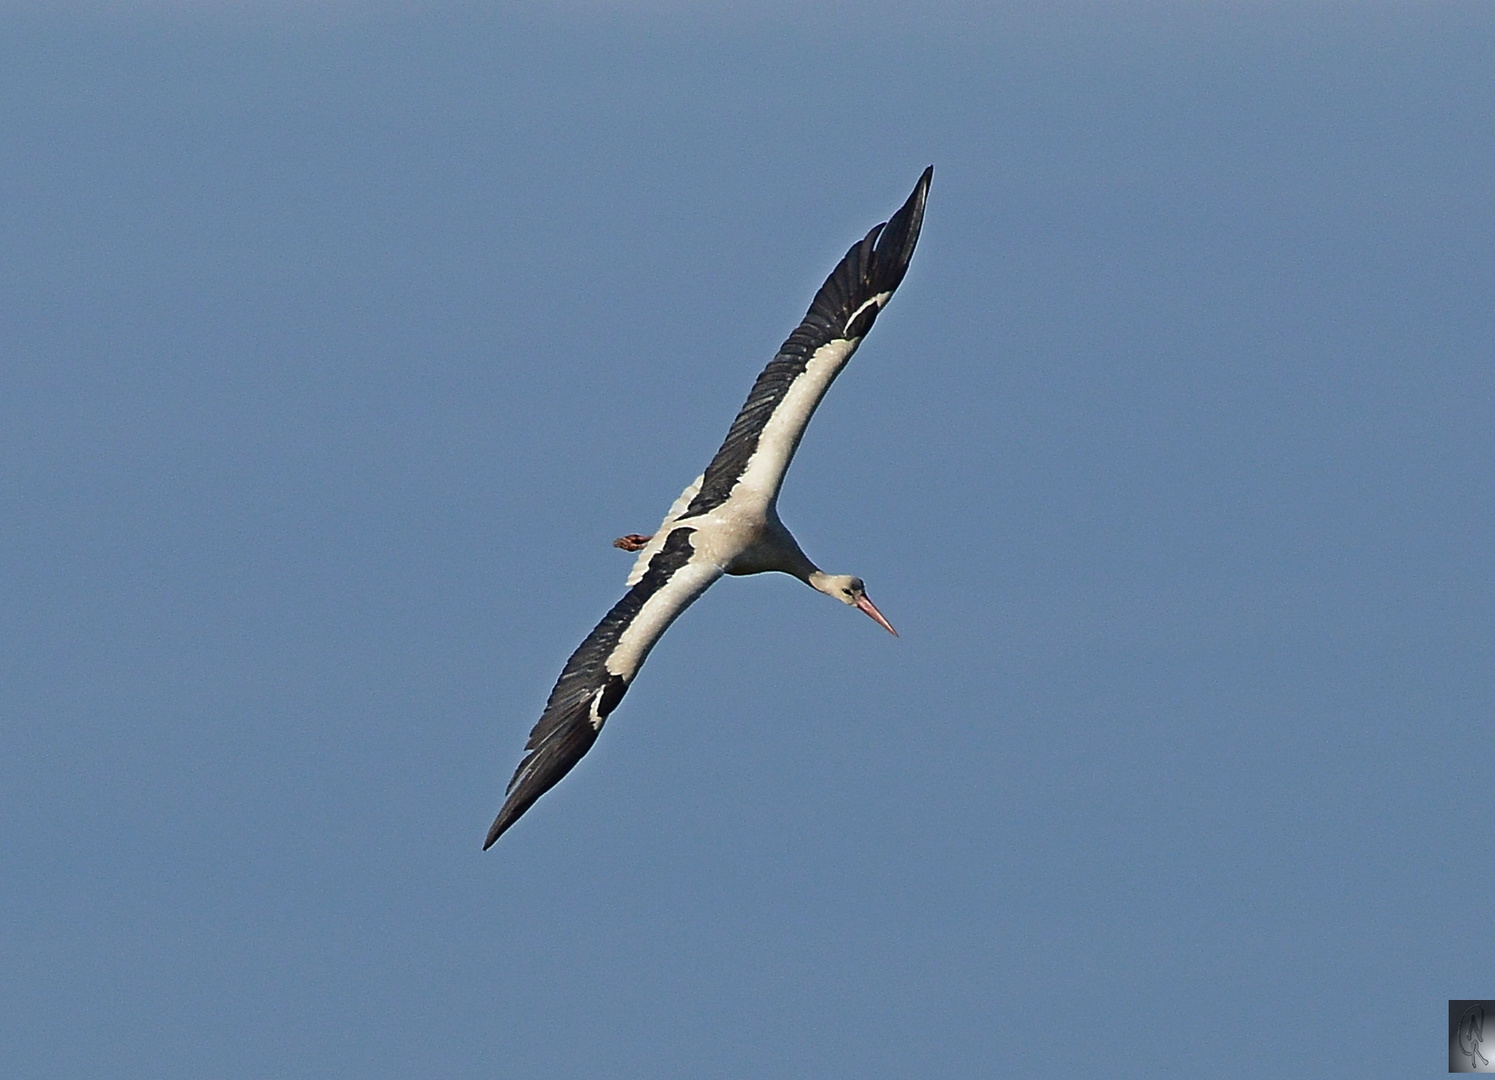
{"x":1471,"y":1043}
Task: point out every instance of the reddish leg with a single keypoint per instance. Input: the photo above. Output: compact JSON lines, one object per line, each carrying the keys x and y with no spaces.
{"x":632,"y":542}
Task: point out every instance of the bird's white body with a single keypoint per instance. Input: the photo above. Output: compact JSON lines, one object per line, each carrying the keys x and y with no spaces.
{"x":726,"y":522}
{"x":742,"y":536}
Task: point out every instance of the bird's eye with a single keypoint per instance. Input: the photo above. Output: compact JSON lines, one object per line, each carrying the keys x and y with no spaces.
{"x":846,"y":591}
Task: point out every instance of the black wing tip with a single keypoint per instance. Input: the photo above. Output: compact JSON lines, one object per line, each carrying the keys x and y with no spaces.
{"x":553,"y":756}
{"x":920,"y":195}
{"x":895,"y":246}
{"x":911,"y":214}
{"x":527,"y":795}
{"x":499,"y":825}
{"x":514,"y":807}
{"x":536,"y":777}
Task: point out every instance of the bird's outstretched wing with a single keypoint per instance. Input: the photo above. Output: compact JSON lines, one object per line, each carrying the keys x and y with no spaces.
{"x":599,"y":672}
{"x":763,"y":438}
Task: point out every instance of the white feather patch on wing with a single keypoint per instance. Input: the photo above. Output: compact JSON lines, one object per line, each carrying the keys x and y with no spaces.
{"x":879,"y":300}
{"x":653,"y":547}
{"x":780,"y":436}
{"x":654,"y":618}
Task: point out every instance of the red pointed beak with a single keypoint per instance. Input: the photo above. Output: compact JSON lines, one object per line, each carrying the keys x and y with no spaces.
{"x":871,"y":609}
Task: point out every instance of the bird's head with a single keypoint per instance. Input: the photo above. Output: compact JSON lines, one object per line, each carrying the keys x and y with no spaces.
{"x":851,"y":592}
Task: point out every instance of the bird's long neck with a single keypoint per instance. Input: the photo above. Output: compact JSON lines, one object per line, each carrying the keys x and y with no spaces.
{"x":787,"y":554}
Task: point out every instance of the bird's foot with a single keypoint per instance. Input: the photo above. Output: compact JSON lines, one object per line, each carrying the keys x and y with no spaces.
{"x":632,"y":542}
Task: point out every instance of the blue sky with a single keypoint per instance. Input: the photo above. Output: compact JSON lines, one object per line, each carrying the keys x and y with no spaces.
{"x":336,"y":345}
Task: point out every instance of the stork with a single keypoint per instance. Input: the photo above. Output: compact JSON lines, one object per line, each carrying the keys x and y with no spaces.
{"x":726,"y":522}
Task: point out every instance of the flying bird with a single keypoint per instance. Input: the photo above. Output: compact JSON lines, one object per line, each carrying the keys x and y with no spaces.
{"x":726,"y":522}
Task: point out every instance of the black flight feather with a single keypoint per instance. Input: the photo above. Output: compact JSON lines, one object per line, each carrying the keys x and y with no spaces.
{"x":565,"y":731}
{"x":873,"y":266}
